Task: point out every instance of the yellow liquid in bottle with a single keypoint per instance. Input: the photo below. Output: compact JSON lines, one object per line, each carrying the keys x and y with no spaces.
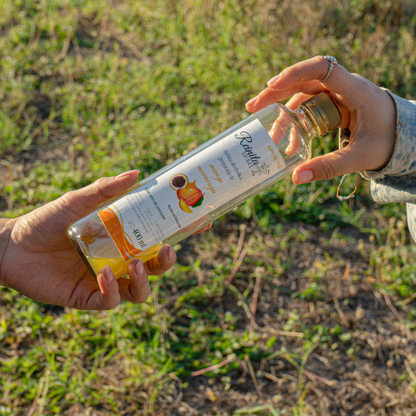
{"x":118,"y":265}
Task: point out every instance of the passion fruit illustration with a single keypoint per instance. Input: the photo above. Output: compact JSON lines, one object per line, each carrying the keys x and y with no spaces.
{"x":178,"y":181}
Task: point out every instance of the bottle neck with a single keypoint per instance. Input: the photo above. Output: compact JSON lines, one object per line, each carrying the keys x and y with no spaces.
{"x":309,"y":123}
{"x":318,"y":115}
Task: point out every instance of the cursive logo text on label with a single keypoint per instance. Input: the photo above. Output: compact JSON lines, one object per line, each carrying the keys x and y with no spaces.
{"x":246,"y":139}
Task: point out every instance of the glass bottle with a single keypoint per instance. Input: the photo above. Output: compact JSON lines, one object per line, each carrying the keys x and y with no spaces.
{"x":201,"y":186}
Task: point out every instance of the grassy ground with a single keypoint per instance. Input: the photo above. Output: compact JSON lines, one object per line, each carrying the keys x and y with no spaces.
{"x":319,"y":318}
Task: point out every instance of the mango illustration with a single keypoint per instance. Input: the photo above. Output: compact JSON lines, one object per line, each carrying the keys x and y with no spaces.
{"x":190,"y":194}
{"x":184,"y":207}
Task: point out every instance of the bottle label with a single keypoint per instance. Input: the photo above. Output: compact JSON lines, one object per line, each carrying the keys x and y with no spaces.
{"x":182,"y":198}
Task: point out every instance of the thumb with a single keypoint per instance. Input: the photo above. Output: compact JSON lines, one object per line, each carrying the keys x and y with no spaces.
{"x":327,"y":166}
{"x":84,"y":200}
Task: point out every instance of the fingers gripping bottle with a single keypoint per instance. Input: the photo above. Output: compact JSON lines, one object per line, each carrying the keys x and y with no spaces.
{"x":199,"y":187}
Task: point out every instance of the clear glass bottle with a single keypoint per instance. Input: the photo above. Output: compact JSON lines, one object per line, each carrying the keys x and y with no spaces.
{"x":204,"y":184}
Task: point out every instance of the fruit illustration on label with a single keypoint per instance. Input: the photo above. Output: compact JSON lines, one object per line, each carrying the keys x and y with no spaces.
{"x":178,"y":181}
{"x":184,"y":207}
{"x":189,"y":195}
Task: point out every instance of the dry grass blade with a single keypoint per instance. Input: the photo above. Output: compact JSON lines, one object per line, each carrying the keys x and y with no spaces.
{"x":228,"y":360}
{"x":42,"y":389}
{"x":341,"y":314}
{"x":319,"y":378}
{"x":241,"y":240}
{"x":240,"y":297}
{"x":410,"y":371}
{"x":236,"y":267}
{"x":253,"y":377}
{"x":282,"y":333}
{"x":391,"y":307}
{"x":347,"y":270}
{"x":254,"y":305}
{"x":35,"y":401}
{"x":409,"y":299}
{"x":133,"y":48}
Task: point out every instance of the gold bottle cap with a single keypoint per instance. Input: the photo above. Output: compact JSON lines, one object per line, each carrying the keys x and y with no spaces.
{"x":324,"y":111}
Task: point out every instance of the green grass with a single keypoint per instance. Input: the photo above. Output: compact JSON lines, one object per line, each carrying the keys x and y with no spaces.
{"x":97,"y":87}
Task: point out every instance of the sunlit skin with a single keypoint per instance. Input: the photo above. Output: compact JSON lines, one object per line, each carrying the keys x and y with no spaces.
{"x":366,"y":110}
{"x":38,"y":260}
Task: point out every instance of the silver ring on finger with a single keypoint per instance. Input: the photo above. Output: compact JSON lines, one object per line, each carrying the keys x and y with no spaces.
{"x":332,"y":63}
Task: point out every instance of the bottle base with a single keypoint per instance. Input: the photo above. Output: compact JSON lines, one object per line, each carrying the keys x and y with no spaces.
{"x":118,"y":265}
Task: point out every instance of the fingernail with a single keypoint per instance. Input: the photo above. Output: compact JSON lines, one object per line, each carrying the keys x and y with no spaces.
{"x":139,"y":268}
{"x":304,"y":176}
{"x":252,"y":101}
{"x":108,"y":274}
{"x":128,"y":173}
{"x":170,"y":253}
{"x":100,"y":276}
{"x":273,"y":81}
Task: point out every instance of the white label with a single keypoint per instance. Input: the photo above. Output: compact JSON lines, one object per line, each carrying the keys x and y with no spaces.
{"x":193,"y":189}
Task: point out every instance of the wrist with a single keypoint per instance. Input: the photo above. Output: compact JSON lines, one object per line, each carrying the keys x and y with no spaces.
{"x":401,"y":161}
{"x":6,"y":227}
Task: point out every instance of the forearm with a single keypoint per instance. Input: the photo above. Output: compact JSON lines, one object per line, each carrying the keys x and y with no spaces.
{"x":6,"y":227}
